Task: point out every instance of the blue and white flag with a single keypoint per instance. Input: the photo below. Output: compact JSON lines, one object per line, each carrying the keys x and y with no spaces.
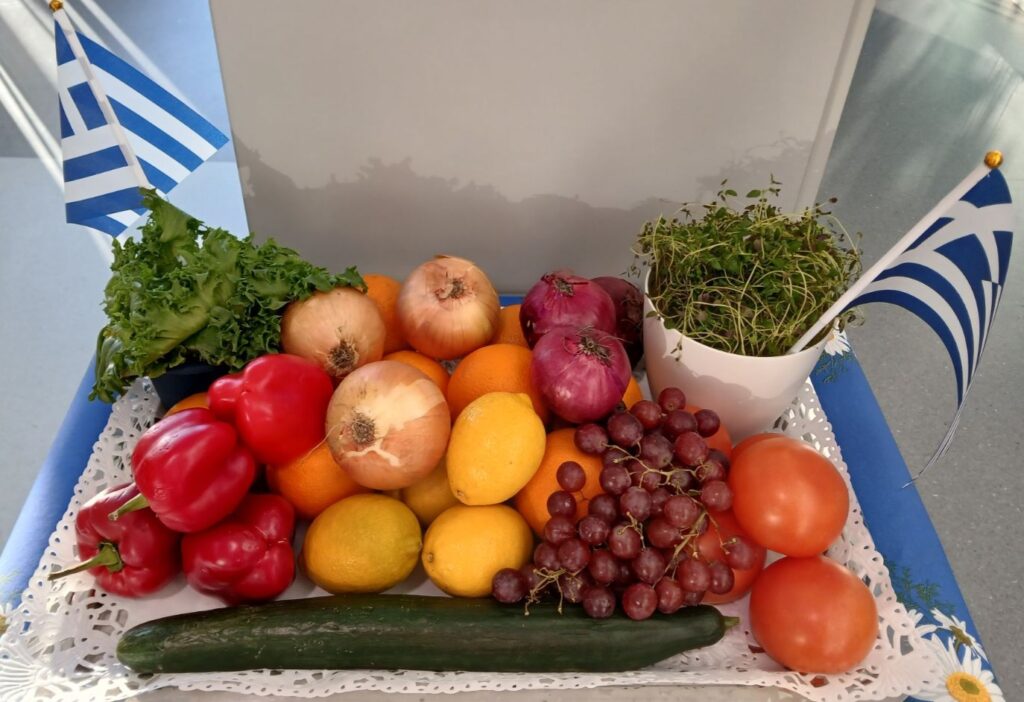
{"x":949,"y":270}
{"x":120,"y":132}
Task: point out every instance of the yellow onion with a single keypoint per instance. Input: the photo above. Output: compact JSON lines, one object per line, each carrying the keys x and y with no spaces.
{"x":447,"y":307}
{"x":340,"y":329}
{"x":387,"y":425}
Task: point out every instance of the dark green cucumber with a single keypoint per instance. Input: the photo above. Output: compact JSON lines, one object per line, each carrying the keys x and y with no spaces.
{"x":412,"y":632}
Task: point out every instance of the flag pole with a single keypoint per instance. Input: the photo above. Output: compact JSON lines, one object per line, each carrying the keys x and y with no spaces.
{"x":64,"y":22}
{"x":992,"y":160}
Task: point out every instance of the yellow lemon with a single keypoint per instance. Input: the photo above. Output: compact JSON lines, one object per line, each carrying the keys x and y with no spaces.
{"x":496,"y":446}
{"x":363,"y":543}
{"x":465,"y":546}
{"x":431,"y":495}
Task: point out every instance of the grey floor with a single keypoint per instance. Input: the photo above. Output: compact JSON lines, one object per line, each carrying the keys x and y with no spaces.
{"x":938,"y":84}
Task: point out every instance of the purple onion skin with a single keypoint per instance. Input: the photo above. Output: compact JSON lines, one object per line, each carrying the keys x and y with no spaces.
{"x":629,"y":314}
{"x":581,"y":372}
{"x":562,"y":298}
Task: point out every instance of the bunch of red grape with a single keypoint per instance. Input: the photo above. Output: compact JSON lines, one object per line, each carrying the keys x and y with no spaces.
{"x":637,"y":546}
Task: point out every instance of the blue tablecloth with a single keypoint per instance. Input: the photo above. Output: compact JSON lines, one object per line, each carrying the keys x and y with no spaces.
{"x":892,"y":509}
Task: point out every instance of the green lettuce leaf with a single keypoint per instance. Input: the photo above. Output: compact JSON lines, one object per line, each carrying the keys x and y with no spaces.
{"x":186,"y":292}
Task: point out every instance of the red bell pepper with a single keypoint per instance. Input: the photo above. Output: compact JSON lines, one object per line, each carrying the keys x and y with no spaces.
{"x":278,"y":403}
{"x":246,"y":558}
{"x":191,"y":470}
{"x":134,"y":556}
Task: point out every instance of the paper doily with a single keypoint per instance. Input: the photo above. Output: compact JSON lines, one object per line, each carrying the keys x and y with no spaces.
{"x":61,"y":639}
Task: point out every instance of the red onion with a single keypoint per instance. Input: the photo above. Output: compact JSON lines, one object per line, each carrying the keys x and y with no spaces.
{"x":629,"y":314}
{"x":564,"y":299}
{"x":581,"y":372}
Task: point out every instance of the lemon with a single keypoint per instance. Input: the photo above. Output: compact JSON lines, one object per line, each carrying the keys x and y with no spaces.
{"x":363,"y":543}
{"x":465,"y":546}
{"x":496,"y":446}
{"x":431,"y":495}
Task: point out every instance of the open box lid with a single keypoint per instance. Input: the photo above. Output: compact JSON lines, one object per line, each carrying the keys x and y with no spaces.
{"x":526,"y":136}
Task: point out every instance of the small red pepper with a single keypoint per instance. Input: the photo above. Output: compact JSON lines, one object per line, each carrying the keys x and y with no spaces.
{"x":278,"y":403}
{"x":191,"y":470}
{"x":134,"y":556}
{"x":246,"y":558}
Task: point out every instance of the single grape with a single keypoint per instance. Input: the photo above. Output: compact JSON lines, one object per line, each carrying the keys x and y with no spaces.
{"x":716,"y":495}
{"x":690,"y":448}
{"x":531,"y":578}
{"x":636,"y":503}
{"x":678,"y":422}
{"x":661,"y":534}
{"x":561,"y":503}
{"x":572,"y":586}
{"x":591,"y":438}
{"x":615,"y":480}
{"x":694,"y":575}
{"x":659,"y":496}
{"x":604,"y":507}
{"x":558,"y":529}
{"x":649,"y":414}
{"x":570,"y":476}
{"x":722,"y":578}
{"x":624,"y":542}
{"x":613,"y":457}
{"x":625,"y":429}
{"x":720,"y":458}
{"x":741,"y":553}
{"x":692,"y":598}
{"x":649,"y":565}
{"x":681,"y":480}
{"x":681,"y":511}
{"x":603,"y":567}
{"x":670,"y":595}
{"x":573,"y":555}
{"x":671,"y":399}
{"x":707,"y":422}
{"x":546,"y":556}
{"x":598,"y":602}
{"x":624,"y":577}
{"x":711,"y":469}
{"x":508,"y":585}
{"x":593,"y":530}
{"x":655,"y":451}
{"x":639,"y":601}
{"x":650,"y":480}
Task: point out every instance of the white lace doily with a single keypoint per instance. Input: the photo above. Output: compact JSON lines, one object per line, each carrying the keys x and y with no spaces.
{"x":61,"y":639}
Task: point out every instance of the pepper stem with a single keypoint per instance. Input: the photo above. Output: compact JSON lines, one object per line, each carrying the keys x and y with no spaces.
{"x":136,"y":503}
{"x":107,"y":556}
{"x":730,"y":622}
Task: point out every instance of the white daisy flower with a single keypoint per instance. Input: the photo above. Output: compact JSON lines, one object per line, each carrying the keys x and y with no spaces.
{"x":958,"y":629}
{"x":837,"y":344}
{"x":922,"y":629}
{"x":964,"y":680}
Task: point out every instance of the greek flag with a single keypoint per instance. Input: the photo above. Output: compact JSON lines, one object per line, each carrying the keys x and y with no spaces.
{"x":950,"y":271}
{"x":120,"y":132}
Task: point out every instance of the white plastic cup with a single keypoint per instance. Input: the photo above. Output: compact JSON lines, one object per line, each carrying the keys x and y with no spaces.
{"x":748,"y":392}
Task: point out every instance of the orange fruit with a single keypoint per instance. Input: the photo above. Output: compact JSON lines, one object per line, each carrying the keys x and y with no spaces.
{"x":313,"y":482}
{"x":509,"y":330}
{"x":532,"y":500}
{"x":494,"y":368}
{"x":431,"y":368}
{"x":632,"y":394}
{"x":383,"y":290}
{"x":195,"y":400}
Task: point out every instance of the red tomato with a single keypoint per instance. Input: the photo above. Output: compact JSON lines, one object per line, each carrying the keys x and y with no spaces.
{"x":751,"y":440}
{"x":720,"y":439}
{"x":788,"y":497}
{"x":709,"y":544}
{"x":813,"y":615}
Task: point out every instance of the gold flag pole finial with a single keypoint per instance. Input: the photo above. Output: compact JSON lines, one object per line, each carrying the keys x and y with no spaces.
{"x":993,"y":159}
{"x":56,"y":5}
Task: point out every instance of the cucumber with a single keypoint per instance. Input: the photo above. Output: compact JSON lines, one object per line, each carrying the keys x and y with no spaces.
{"x":412,"y":632}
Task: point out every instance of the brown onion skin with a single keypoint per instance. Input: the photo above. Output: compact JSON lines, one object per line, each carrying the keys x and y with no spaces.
{"x":409,"y":419}
{"x":447,"y":308}
{"x":311,"y":328}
